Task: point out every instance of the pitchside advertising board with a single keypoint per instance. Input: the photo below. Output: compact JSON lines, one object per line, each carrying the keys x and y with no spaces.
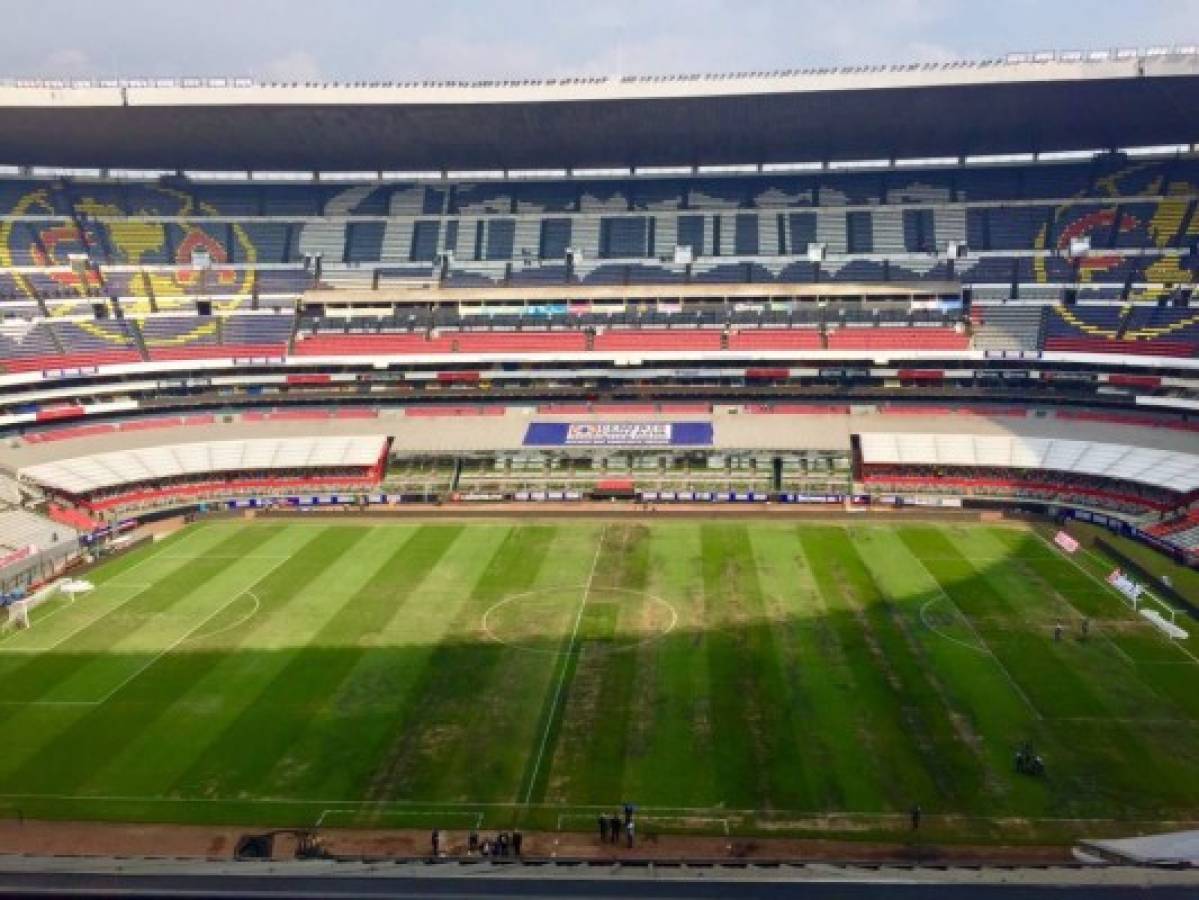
{"x":619,"y":434}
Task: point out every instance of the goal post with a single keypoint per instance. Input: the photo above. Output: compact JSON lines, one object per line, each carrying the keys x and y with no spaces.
{"x":16,"y":615}
{"x":15,"y":608}
{"x":1153,"y":609}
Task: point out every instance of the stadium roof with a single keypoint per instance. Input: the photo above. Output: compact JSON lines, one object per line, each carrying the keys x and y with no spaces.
{"x":1027,"y":104}
{"x":84,"y":474}
{"x":1167,"y":469}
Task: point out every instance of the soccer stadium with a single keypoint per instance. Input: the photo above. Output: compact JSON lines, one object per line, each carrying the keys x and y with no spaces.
{"x":766,"y":460}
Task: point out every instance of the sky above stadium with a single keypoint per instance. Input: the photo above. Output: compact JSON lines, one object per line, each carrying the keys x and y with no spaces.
{"x":403,"y":39}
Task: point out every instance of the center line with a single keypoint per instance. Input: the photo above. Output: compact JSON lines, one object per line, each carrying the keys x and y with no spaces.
{"x":549,"y":722}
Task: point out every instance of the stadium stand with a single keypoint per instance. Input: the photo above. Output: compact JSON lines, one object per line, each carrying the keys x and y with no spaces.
{"x":318,"y":457}
{"x":1007,"y":327}
{"x":1168,"y":474}
{"x":890,"y":338}
{"x":20,"y":528}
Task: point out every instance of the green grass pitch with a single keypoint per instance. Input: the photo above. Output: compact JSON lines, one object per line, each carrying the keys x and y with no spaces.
{"x":741,"y":675}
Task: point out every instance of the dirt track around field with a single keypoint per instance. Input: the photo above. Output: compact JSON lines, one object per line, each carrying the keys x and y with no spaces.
{"x":42,"y":838}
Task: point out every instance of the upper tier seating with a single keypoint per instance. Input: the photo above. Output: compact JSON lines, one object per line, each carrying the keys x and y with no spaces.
{"x":1113,"y":329}
{"x":876,"y":226}
{"x":28,"y":347}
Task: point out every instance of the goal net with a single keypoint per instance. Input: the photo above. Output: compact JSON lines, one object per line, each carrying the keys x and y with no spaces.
{"x":1157,"y":612}
{"x":15,"y":609}
{"x":16,"y":615}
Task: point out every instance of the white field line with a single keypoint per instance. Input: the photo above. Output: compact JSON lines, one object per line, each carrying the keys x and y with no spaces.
{"x":423,"y":807}
{"x":476,"y":818}
{"x":175,"y":644}
{"x":64,"y":605}
{"x":1108,"y":590}
{"x":574,"y":634}
{"x":978,"y":637}
{"x":195,"y":628}
{"x":243,"y":620}
{"x":1105,"y":594}
{"x":195,"y":556}
{"x":665,"y":820}
{"x":137,"y":588}
{"x":949,"y":637}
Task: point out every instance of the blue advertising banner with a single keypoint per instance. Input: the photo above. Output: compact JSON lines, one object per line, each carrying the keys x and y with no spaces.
{"x":619,"y":434}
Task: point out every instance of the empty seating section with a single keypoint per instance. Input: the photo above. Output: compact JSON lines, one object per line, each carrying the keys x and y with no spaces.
{"x":97,"y":343}
{"x":654,"y":340}
{"x":383,"y":344}
{"x":890,"y":338}
{"x":179,"y":337}
{"x":877,"y":226}
{"x":1155,"y":323}
{"x":1007,"y":327}
{"x":26,"y":347}
{"x":259,"y":332}
{"x":776,"y":339}
{"x":1115,"y":329}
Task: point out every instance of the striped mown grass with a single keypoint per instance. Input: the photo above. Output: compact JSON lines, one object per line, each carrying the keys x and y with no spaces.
{"x":739,"y":675}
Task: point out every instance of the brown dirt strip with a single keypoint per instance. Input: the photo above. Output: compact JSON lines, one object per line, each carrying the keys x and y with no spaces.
{"x":42,"y":838}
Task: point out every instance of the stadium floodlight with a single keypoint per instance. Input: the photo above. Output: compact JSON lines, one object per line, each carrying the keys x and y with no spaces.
{"x":793,"y":167}
{"x":603,"y":173}
{"x":742,"y":169}
{"x":536,"y":173}
{"x":347,"y":176}
{"x":989,"y":159}
{"x":927,"y":162}
{"x":1159,"y":150}
{"x":856,"y":164}
{"x":207,"y":175}
{"x":476,"y":175}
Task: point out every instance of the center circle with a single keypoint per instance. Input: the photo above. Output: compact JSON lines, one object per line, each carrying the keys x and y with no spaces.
{"x":604,"y":620}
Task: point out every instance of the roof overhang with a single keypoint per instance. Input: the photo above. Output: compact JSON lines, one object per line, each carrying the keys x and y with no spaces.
{"x":899,"y":112}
